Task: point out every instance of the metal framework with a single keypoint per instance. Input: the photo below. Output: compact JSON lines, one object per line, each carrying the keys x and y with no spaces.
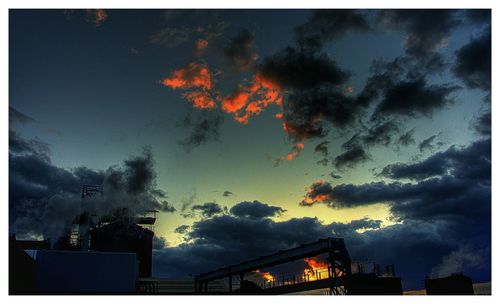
{"x":339,"y":265}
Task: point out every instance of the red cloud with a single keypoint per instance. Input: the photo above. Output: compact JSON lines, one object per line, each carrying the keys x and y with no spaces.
{"x":200,"y":99}
{"x":197,"y":80}
{"x":296,"y":150}
{"x":251,"y":100}
{"x":194,"y":75}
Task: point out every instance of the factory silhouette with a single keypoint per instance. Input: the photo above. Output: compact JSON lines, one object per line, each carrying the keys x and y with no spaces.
{"x":112,"y":254}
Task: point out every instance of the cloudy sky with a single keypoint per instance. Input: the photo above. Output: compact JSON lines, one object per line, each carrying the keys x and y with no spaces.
{"x":258,"y":130}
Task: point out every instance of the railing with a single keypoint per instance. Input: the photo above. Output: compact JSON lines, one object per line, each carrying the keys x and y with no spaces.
{"x":295,"y":278}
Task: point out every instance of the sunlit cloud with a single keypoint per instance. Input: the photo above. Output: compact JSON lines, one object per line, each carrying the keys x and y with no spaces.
{"x":317,"y":193}
{"x":200,"y":99}
{"x":296,"y":150}
{"x":194,"y":75}
{"x":251,"y":100}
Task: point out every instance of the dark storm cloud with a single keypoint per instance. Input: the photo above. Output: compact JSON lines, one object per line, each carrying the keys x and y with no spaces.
{"x":473,"y":62}
{"x":407,"y":139}
{"x":16,"y":117}
{"x":204,"y":128}
{"x":238,"y":52}
{"x":312,"y":80}
{"x":227,"y":239}
{"x":426,"y":30}
{"x":381,"y":134}
{"x":348,"y":195}
{"x":458,"y":185}
{"x":428,"y":143}
{"x":206,"y":210}
{"x":414,"y":97}
{"x":139,"y":172}
{"x":472,"y":162}
{"x":399,"y":88}
{"x":295,"y":69}
{"x":255,"y":209}
{"x":44,"y":199}
{"x":308,"y":112}
{"x":354,"y":155}
{"x":482,"y":124}
{"x":326,"y":25}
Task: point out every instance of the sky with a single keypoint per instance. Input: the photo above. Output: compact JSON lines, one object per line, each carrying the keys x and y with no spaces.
{"x":258,"y":130}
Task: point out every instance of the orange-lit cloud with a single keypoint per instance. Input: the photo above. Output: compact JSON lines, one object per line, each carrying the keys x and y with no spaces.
{"x":235,"y":102}
{"x":200,"y":99}
{"x":247,"y":101}
{"x":196,"y":80}
{"x":296,"y":150}
{"x":250,"y":100}
{"x":194,"y":75}
{"x":318,"y":192}
{"x":96,"y":16}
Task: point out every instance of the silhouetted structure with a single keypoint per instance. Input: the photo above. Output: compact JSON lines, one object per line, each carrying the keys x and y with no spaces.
{"x":339,"y":267}
{"x":338,"y":278}
{"x":124,"y":235}
{"x":248,"y":288}
{"x":22,"y":267}
{"x":456,"y":284}
{"x":371,"y":284}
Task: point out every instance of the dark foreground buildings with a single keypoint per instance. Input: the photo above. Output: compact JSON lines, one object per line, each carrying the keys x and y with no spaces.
{"x":109,"y":255}
{"x":456,"y":284}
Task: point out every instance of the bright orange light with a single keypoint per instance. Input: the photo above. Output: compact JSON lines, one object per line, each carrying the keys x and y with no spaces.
{"x":267,"y":276}
{"x":315,"y":269}
{"x":250,"y":100}
{"x":235,"y":102}
{"x":200,"y":99}
{"x":194,"y":75}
